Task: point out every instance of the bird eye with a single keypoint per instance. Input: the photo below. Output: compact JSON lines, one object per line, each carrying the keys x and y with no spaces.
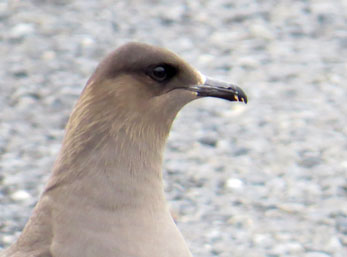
{"x":159,"y":73}
{"x":162,"y":72}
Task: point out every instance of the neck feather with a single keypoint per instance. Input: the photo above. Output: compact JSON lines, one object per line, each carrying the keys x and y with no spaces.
{"x":116,"y":153}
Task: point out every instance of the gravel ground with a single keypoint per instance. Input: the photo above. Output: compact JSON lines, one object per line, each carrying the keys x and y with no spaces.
{"x":263,"y":179}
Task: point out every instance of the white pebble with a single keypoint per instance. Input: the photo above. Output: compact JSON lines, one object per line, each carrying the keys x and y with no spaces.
{"x":87,"y":41}
{"x":316,"y":254}
{"x":21,"y":30}
{"x":20,"y":195}
{"x":8,"y":239}
{"x":288,"y":248}
{"x":234,"y":183}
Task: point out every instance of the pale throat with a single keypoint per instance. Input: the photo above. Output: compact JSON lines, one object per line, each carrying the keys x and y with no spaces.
{"x":122,"y":169}
{"x":117,"y":154}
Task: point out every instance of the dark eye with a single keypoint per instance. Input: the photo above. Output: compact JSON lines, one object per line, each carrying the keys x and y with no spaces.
{"x":159,"y":73}
{"x":162,"y":72}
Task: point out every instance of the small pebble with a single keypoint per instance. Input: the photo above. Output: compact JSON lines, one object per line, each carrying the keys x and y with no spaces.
{"x":316,"y":254}
{"x":22,"y":30}
{"x":234,"y":184}
{"x":20,"y":195}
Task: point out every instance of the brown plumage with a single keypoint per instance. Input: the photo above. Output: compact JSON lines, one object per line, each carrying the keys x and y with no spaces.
{"x":105,"y":196}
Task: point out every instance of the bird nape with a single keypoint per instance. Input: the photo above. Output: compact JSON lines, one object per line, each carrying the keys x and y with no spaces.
{"x":105,"y":196}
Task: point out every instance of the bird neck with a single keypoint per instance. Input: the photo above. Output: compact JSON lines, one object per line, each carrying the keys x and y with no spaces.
{"x":114,"y":160}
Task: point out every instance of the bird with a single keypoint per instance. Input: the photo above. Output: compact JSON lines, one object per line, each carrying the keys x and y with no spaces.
{"x":105,"y":195}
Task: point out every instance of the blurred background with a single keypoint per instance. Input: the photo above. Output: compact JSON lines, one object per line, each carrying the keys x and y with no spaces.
{"x":264,"y":179}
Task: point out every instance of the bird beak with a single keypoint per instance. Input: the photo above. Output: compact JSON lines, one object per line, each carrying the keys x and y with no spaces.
{"x":219,"y":89}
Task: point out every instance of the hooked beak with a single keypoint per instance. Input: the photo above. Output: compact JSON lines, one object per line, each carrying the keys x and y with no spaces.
{"x":219,"y":89}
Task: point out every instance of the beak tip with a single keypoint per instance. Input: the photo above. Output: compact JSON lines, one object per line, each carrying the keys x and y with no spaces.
{"x":241,"y":95}
{"x":220,"y":89}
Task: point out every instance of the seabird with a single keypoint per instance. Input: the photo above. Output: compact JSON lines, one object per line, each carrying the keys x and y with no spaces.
{"x":105,"y":196}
